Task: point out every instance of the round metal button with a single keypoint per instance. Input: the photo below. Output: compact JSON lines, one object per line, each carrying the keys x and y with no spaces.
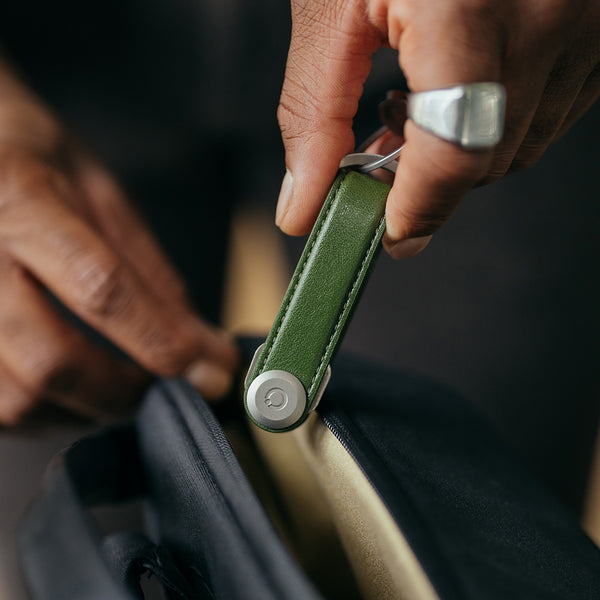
{"x":276,"y":399}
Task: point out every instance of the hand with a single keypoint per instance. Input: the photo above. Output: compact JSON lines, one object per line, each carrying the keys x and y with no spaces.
{"x":66,"y":228}
{"x":545,"y":52}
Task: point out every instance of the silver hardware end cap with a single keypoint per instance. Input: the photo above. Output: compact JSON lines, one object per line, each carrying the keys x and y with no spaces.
{"x":276,"y":399}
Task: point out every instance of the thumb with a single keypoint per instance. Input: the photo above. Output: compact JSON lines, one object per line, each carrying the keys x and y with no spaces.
{"x":328,"y":62}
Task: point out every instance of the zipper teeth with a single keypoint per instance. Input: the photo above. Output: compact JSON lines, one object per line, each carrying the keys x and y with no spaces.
{"x":174,"y":391}
{"x":338,"y":430}
{"x":331,"y":425}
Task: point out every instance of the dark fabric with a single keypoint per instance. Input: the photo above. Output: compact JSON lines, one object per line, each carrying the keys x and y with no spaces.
{"x":207,"y":513}
{"x":214,"y":539}
{"x":62,"y":558}
{"x":481,"y":524}
{"x":132,"y":555}
{"x":478,"y":522}
{"x":64,"y":554}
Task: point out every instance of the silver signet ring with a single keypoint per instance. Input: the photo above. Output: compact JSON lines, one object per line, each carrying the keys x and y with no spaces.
{"x":470,"y":115}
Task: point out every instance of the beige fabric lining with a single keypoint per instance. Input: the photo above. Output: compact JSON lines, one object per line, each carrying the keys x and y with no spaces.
{"x":303,"y":515}
{"x":384,"y":564}
{"x":257,"y":275}
{"x":327,"y":487}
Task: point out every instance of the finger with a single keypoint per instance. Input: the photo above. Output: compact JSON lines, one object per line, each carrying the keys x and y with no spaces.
{"x":539,"y":104}
{"x":114,"y":217}
{"x":50,"y":360}
{"x":431,"y":179}
{"x":69,"y":258}
{"x":523,"y":97}
{"x":15,"y":400}
{"x":117,"y":221}
{"x":434,"y":174}
{"x":210,"y":379}
{"x":555,"y":105}
{"x":328,"y":62}
{"x":588,"y":95}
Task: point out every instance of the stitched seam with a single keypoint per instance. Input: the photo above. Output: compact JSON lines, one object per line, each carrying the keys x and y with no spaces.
{"x":291,"y":296}
{"x":373,"y":242}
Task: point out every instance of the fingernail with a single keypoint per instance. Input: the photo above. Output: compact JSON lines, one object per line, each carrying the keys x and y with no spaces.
{"x":285,"y":196}
{"x":408,"y":247}
{"x":210,"y":379}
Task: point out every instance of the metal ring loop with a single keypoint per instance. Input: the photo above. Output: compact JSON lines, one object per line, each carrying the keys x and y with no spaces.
{"x":365,"y":162}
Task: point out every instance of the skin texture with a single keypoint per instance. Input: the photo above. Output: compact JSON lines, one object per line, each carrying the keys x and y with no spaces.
{"x":67,"y":230}
{"x":545,"y":52}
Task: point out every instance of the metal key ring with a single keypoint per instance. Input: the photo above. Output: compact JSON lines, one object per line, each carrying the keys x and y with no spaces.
{"x":366,"y":162}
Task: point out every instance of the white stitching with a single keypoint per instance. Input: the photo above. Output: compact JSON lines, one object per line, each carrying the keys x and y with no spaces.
{"x":285,"y":310}
{"x":339,"y":321}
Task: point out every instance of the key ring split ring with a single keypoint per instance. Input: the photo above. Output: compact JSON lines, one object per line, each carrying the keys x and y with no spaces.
{"x":366,"y":162}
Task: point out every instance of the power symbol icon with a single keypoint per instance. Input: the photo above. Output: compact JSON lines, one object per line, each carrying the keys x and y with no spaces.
{"x":276,"y":398}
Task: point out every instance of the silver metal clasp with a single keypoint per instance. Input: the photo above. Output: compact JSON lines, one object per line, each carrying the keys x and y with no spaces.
{"x":276,"y":399}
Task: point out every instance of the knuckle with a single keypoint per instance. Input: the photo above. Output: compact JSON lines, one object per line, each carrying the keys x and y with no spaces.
{"x":552,"y":15}
{"x":537,"y":140}
{"x":476,"y":11}
{"x":378,"y":13}
{"x":294,"y":122}
{"x":298,"y":105}
{"x":473,"y":22}
{"x":542,"y":129}
{"x":101,"y":288}
{"x":285,"y":117}
{"x":530,"y":151}
{"x":498,"y":171}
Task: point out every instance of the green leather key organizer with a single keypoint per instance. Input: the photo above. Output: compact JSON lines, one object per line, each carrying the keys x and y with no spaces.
{"x":291,"y":369}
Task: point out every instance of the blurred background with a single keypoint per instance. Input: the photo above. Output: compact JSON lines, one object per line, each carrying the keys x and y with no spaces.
{"x":178,"y":98}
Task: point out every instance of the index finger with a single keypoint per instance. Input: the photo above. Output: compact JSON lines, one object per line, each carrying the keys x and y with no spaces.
{"x":64,"y":253}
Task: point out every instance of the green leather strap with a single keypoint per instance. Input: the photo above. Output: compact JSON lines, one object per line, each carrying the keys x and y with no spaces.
{"x":326,"y":283}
